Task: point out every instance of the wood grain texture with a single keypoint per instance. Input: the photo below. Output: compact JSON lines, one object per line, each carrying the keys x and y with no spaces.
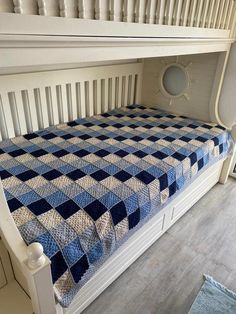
{"x":168,"y":276}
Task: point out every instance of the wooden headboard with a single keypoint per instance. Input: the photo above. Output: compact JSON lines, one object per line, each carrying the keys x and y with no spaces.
{"x":33,"y":101}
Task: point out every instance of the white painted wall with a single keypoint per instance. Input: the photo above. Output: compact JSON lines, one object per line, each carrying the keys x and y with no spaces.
{"x":227,"y":104}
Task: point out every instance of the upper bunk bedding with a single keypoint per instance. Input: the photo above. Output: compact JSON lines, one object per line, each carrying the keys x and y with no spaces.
{"x":82,"y":188}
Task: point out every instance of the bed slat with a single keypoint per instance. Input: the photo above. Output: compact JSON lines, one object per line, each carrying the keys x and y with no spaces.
{"x":33,"y":110}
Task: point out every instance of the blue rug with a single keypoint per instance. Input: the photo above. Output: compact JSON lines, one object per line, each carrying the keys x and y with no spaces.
{"x":214,"y":298}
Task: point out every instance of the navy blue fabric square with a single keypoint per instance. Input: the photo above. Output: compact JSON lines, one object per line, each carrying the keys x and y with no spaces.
{"x":39,"y":207}
{"x":192,"y":126}
{"x":118,"y":125}
{"x":121,"y":153}
{"x":122,"y":176}
{"x":14,"y":204}
{"x":81,"y":153}
{"x":118,"y":212}
{"x":216,"y":141}
{"x":159,"y":155}
{"x":200,"y":163}
{"x":67,"y":136}
{"x":120,"y":138}
{"x":58,"y":266}
{"x":147,"y":126}
{"x":79,"y":268}
{"x":172,"y":189}
{"x":17,"y":152}
{"x":60,"y":153}
{"x":185,"y":139}
{"x":163,"y":181}
{"x":72,"y":123}
{"x":95,"y":209}
{"x":137,"y":138}
{"x":67,"y":209}
{"x":102,"y":137}
{"x":169,"y":138}
{"x":49,"y":136}
{"x":76,"y":174}
{"x":102,"y":153}
{"x":4,"y":174}
{"x":178,"y":156}
{"x":145,"y":177}
{"x":39,"y":153}
{"x":27,"y":175}
{"x":100,"y":175}
{"x":103,"y":125}
{"x":51,"y":175}
{"x":153,"y":138}
{"x":201,"y":139}
{"x":193,"y":158}
{"x":30,"y":136}
{"x":85,"y":136}
{"x":134,"y":218}
{"x":140,"y":154}
{"x":163,"y":126}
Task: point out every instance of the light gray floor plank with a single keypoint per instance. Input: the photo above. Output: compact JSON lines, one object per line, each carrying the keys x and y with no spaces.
{"x":168,"y":276}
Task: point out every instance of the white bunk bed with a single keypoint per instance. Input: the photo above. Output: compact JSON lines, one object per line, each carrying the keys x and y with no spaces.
{"x":80,"y":60}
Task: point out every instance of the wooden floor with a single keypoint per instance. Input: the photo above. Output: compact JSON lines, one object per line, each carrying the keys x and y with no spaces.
{"x":167,"y":278}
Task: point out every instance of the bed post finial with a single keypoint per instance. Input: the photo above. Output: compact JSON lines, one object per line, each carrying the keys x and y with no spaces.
{"x":35,"y":255}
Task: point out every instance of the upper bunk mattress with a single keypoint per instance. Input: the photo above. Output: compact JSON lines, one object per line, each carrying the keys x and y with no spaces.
{"x":82,"y":188}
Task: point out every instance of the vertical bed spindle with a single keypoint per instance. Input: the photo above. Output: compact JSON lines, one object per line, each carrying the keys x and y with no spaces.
{"x":68,"y":8}
{"x":102,"y":10}
{"x":205,"y":10}
{"x":140,"y":11}
{"x":19,"y":112}
{"x":86,"y":9}
{"x":229,"y":14}
{"x":116,"y":10}
{"x":226,"y":8}
{"x":170,"y":12}
{"x":210,"y":13}
{"x":192,"y":13}
{"x":151,"y":11}
{"x":7,"y":126}
{"x":185,"y":13}
{"x":199,"y":13}
{"x":129,"y":11}
{"x":33,"y":110}
{"x":215,"y":13}
{"x":178,"y":10}
{"x":48,"y":7}
{"x":220,"y":14}
{"x":82,"y":100}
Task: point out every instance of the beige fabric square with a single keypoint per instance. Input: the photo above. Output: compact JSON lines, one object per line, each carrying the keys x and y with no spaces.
{"x":62,"y":126}
{"x":75,"y":140}
{"x":122,"y":228}
{"x":37,"y":140}
{"x":104,"y":225}
{"x":24,"y":158}
{"x":194,"y":169}
{"x":216,"y":151}
{"x":36,"y":182}
{"x":64,"y":284}
{"x":47,"y":158}
{"x":5,"y":157}
{"x":61,"y":182}
{"x":50,"y":219}
{"x":111,"y":141}
{"x":56,"y":140}
{"x":186,"y":164}
{"x":151,"y":160}
{"x":195,"y":143}
{"x":179,"y":143}
{"x":93,"y":141}
{"x":80,"y":221}
{"x":69,"y":158}
{"x":187,"y":129}
{"x":110,"y":183}
{"x":164,"y":195}
{"x":18,"y":140}
{"x":154,"y":188}
{"x":22,"y":215}
{"x":163,"y":142}
{"x":91,"y":158}
{"x":132,"y":159}
{"x":135,"y":184}
{"x":112,"y":158}
{"x":86,"y":182}
{"x":11,"y":182}
{"x":210,"y":145}
{"x":171,"y":161}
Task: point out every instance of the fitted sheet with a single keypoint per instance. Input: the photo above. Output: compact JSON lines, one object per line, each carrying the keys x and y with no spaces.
{"x":82,"y":188}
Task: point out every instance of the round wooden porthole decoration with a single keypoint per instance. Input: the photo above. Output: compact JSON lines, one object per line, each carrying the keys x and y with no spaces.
{"x":174,"y":81}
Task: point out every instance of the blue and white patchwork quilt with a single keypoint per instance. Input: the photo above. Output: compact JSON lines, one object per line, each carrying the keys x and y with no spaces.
{"x":82,"y":188}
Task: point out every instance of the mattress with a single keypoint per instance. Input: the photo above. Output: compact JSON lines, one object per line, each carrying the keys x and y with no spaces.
{"x":82,"y":188}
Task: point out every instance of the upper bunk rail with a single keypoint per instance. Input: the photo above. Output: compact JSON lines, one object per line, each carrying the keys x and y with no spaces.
{"x":215,"y":14}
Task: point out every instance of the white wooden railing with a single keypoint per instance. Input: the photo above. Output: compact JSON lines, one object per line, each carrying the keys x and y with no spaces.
{"x":216,"y":14}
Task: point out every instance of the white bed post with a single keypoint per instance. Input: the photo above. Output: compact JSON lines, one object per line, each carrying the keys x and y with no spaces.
{"x":228,"y":162}
{"x":34,"y":265}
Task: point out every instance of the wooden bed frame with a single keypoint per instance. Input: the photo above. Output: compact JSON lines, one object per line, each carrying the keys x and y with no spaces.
{"x":57,"y":69}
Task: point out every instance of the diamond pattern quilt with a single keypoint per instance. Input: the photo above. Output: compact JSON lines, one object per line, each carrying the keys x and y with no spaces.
{"x":82,"y":188}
